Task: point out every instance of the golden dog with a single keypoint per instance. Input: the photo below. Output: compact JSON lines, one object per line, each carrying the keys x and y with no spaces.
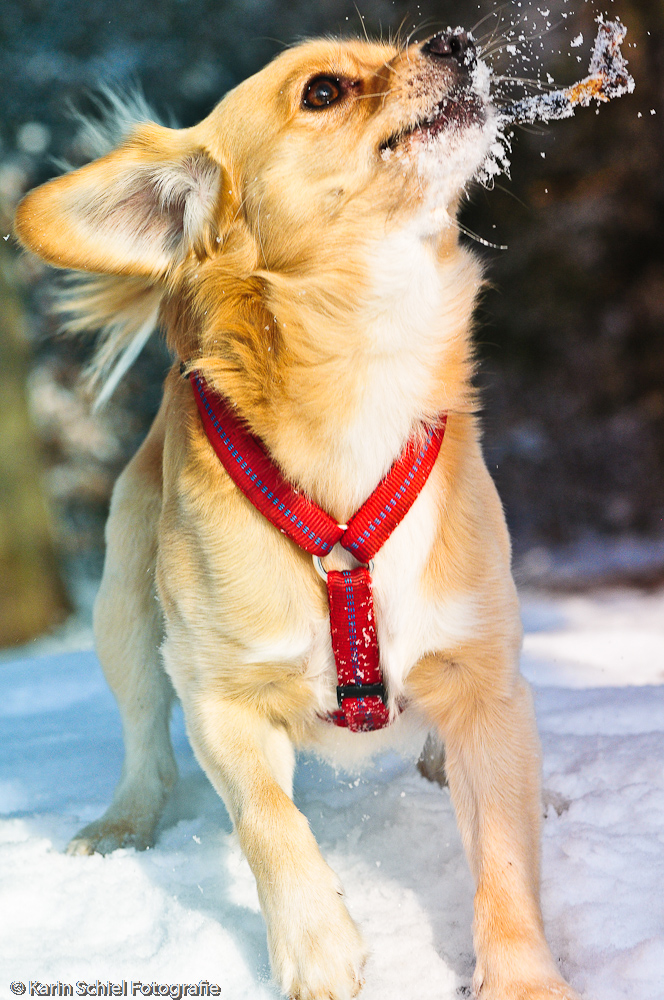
{"x":300,"y":248}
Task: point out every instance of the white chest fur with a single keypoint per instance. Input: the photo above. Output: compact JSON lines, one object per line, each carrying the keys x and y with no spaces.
{"x":404,"y":335}
{"x":413,"y":312}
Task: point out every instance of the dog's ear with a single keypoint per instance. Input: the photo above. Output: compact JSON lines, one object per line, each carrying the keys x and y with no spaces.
{"x":138,"y":210}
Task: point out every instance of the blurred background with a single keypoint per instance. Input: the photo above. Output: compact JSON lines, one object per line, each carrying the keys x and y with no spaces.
{"x":570,"y":332}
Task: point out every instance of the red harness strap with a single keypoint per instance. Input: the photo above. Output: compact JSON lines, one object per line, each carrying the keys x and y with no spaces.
{"x":360,"y":692}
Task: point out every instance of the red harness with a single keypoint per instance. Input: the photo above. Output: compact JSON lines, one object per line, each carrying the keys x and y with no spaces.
{"x":361,"y":692}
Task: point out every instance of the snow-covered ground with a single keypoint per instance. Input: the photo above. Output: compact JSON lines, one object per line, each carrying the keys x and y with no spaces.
{"x":187,"y":910}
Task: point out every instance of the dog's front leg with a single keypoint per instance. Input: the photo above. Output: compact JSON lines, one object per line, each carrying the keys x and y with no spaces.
{"x":315,"y":948}
{"x":493,"y":762}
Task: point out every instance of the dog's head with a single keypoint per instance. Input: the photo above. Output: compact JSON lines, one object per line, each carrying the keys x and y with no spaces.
{"x":330,"y":143}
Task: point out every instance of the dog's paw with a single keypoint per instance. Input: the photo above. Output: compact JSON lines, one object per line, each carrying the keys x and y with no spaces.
{"x":317,"y":951}
{"x":105,"y":836}
{"x":552,"y":989}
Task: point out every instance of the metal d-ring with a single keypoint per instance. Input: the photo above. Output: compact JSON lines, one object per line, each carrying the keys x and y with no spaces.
{"x":320,"y":569}
{"x":322,"y":572}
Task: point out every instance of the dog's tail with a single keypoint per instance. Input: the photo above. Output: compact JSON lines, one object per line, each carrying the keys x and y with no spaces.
{"x":121,"y":310}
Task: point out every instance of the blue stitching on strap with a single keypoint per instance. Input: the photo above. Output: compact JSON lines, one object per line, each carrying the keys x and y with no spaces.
{"x":391,"y":503}
{"x":254,"y":477}
{"x":352,"y":624}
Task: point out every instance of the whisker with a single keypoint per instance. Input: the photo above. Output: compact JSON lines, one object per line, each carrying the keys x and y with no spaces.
{"x":510,"y":194}
{"x":258,"y":228}
{"x":398,"y":39}
{"x":364,"y":27}
{"x":517,"y":41}
{"x":496,"y":46}
{"x":524,"y":81}
{"x":237,"y":213}
{"x":492,"y":13}
{"x":424,"y":25}
{"x":497,"y":27}
{"x":529,"y":129}
{"x":478,"y":239}
{"x":542,"y":33}
{"x":382,"y":93}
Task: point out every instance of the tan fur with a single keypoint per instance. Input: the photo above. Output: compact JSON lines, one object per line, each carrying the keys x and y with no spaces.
{"x":306,"y":262}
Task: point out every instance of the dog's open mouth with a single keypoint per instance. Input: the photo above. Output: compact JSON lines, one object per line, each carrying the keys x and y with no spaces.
{"x":457,"y":110}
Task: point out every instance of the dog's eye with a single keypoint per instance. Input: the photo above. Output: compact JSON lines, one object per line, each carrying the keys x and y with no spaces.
{"x":321,"y":92}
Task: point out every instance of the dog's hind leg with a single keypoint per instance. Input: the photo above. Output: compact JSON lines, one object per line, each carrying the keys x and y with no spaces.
{"x":431,"y":764}
{"x":128,"y":633}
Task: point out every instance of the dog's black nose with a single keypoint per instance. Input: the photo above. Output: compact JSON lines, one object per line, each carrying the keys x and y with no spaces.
{"x":450,"y":45}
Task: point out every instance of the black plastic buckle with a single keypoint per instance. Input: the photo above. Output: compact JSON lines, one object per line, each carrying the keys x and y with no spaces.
{"x":361,"y":691}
